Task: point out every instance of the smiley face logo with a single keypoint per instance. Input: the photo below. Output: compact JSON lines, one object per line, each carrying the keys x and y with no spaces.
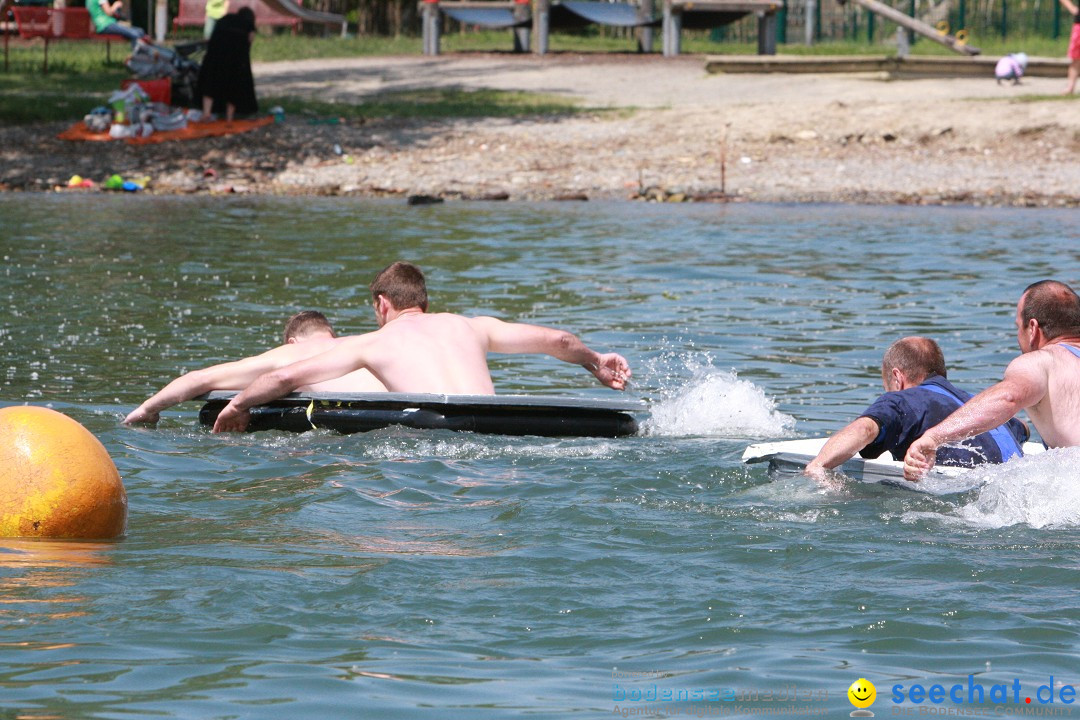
{"x":862,"y":693}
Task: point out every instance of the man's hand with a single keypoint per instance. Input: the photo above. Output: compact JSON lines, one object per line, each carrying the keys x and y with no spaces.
{"x":920,"y":458}
{"x":138,"y":415}
{"x":612,"y":370}
{"x":815,"y":471}
{"x":232,"y":420}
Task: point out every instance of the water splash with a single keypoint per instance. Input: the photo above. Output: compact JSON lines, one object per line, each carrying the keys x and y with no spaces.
{"x":1039,"y":491}
{"x":716,"y":402}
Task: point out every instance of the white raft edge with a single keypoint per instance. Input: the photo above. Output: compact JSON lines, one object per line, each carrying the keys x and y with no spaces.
{"x":794,"y":455}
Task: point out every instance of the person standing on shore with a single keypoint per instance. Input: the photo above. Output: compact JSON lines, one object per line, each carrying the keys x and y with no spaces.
{"x":419,"y":352}
{"x":1074,"y":45}
{"x":225,"y":80}
{"x":1045,"y":380}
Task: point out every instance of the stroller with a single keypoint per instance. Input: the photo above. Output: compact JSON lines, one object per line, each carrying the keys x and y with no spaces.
{"x":179,"y":64}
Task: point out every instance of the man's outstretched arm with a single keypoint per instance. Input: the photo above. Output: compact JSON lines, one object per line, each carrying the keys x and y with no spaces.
{"x":842,"y":446}
{"x":225,"y":376}
{"x":610,"y":369}
{"x":1024,"y":385}
{"x":344,"y":358}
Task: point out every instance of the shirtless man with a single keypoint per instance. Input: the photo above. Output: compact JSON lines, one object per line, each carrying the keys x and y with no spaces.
{"x":307,"y":333}
{"x":1045,"y":380}
{"x":415,"y":352}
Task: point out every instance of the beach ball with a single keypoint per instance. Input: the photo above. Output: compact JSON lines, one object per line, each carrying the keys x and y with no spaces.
{"x":56,"y":479}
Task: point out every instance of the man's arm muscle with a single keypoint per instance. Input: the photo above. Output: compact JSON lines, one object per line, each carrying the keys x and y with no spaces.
{"x":344,"y":358}
{"x":225,"y":376}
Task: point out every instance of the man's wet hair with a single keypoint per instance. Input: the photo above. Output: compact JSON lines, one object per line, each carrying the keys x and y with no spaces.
{"x":306,"y":322}
{"x":917,"y":357}
{"x":402,"y":283}
{"x":1054,"y":305}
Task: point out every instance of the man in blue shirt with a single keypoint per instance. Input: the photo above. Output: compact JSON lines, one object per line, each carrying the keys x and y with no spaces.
{"x":917,"y":398}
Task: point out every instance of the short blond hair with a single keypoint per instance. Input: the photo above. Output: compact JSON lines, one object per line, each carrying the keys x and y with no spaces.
{"x":306,"y":322}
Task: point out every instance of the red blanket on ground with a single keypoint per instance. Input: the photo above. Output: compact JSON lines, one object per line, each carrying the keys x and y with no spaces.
{"x":79,"y":131}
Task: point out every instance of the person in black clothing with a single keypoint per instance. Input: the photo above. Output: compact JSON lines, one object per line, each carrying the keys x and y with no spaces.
{"x":225,"y":79}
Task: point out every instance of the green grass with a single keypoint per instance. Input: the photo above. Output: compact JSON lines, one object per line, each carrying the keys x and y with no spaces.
{"x":66,"y":93}
{"x":299,"y":47}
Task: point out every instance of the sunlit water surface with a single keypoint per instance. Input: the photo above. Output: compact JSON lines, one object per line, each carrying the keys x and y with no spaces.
{"x":402,"y":572}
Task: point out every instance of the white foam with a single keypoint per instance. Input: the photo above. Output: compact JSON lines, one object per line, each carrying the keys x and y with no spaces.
{"x":717,"y":403}
{"x":1039,"y":491}
{"x":465,"y":448}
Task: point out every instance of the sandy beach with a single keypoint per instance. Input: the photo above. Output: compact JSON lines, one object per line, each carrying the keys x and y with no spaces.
{"x":664,"y":129}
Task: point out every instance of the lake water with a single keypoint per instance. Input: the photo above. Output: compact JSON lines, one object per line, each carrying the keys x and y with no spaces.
{"x":408,"y":573}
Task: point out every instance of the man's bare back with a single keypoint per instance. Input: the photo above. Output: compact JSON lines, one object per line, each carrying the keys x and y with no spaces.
{"x":1055,"y":371}
{"x":415,"y":352}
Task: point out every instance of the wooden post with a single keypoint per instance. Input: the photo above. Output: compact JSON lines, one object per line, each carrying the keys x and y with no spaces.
{"x":645,"y":13}
{"x":161,"y":20}
{"x":766,"y":33}
{"x":902,"y":47}
{"x":672,"y":29}
{"x":430,"y":11}
{"x":521,"y":34}
{"x":542,"y":24}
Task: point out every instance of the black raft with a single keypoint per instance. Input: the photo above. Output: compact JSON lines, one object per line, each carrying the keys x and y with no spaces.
{"x":493,"y":414}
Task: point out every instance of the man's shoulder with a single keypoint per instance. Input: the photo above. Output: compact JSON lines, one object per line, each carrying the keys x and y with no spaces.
{"x":450,"y":319}
{"x":886,"y":404}
{"x":301,"y":350}
{"x":1038,"y":363}
{"x":1058,"y":352}
{"x":910,"y":401}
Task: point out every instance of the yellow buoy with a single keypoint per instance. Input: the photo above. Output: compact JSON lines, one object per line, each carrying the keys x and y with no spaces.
{"x":56,"y":479}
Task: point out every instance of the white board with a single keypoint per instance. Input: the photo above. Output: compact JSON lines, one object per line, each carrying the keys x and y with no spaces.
{"x":794,"y":455}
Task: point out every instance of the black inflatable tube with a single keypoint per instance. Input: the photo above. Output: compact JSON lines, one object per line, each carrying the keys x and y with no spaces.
{"x":302,"y":414}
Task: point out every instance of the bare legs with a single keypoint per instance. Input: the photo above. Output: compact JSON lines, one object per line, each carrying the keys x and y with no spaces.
{"x":208,"y":104}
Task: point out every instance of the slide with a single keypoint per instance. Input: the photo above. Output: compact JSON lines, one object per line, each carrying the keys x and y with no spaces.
{"x":289,"y":7}
{"x":609,"y":13}
{"x":486,"y":17}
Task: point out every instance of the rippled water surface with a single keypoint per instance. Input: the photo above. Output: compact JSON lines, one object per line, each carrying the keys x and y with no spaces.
{"x":407,"y":573}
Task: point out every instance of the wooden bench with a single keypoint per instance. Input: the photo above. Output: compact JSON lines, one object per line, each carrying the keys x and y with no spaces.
{"x":193,"y":14}
{"x":49,"y":23}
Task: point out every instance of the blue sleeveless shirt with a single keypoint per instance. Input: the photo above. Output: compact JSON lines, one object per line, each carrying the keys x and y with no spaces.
{"x":903,"y":416}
